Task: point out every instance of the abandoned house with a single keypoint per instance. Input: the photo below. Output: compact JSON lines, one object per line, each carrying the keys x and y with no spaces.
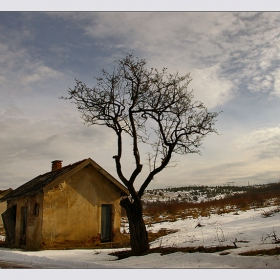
{"x":72,"y":206}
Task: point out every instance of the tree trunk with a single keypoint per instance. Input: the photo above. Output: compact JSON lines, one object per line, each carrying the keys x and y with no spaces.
{"x":138,"y":234}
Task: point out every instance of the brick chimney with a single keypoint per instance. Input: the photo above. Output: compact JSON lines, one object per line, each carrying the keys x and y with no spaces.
{"x":56,"y":164}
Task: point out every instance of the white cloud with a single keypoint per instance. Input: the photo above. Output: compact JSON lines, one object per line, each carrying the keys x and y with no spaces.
{"x":21,"y":70}
{"x":276,"y":88}
{"x":227,"y":48}
{"x":254,"y":156}
{"x":38,"y":73}
{"x":183,"y":42}
{"x":260,"y":144}
{"x":209,"y":88}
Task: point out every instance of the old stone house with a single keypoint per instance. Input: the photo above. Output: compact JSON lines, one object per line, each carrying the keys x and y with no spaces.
{"x":72,"y":206}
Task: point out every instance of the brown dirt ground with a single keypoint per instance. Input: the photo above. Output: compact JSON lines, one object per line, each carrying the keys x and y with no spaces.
{"x":268,"y":252}
{"x":11,"y":265}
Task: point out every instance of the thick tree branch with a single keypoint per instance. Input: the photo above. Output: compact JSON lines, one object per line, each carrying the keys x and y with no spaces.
{"x":152,"y":174}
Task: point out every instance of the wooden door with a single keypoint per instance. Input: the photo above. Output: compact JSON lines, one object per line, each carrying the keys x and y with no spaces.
{"x":106,"y":222}
{"x":23,"y":224}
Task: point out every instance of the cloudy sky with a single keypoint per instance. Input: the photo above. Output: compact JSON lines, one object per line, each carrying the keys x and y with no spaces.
{"x":233,"y":59}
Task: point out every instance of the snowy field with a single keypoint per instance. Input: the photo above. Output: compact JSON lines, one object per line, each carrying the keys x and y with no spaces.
{"x":249,"y":230}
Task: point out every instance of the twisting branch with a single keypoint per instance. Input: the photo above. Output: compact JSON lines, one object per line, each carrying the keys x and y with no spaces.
{"x":152,"y":107}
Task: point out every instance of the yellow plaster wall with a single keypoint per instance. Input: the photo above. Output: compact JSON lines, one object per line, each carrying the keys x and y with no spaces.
{"x":72,"y":210}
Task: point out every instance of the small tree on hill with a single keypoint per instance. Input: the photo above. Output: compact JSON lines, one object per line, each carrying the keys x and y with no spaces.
{"x":153,"y":108}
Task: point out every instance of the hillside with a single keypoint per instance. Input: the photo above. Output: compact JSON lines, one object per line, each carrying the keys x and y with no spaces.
{"x":194,"y":193}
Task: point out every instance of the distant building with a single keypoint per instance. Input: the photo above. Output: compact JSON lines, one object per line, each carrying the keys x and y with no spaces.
{"x":72,"y":206}
{"x":3,"y":205}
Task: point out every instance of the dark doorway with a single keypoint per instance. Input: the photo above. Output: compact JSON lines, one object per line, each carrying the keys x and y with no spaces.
{"x":14,"y":213}
{"x":106,"y":222}
{"x":23,"y":223}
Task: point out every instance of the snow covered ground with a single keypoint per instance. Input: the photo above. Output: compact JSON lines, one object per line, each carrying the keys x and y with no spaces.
{"x":249,"y":230}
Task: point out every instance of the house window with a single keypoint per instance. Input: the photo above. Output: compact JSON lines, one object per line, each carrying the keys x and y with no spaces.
{"x":36,"y":209}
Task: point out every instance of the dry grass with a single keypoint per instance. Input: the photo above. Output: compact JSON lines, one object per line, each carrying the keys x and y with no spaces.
{"x":269,"y":252}
{"x":253,"y":198}
{"x":11,"y":265}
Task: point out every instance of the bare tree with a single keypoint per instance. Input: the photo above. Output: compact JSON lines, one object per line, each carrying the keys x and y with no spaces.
{"x":153,"y":108}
